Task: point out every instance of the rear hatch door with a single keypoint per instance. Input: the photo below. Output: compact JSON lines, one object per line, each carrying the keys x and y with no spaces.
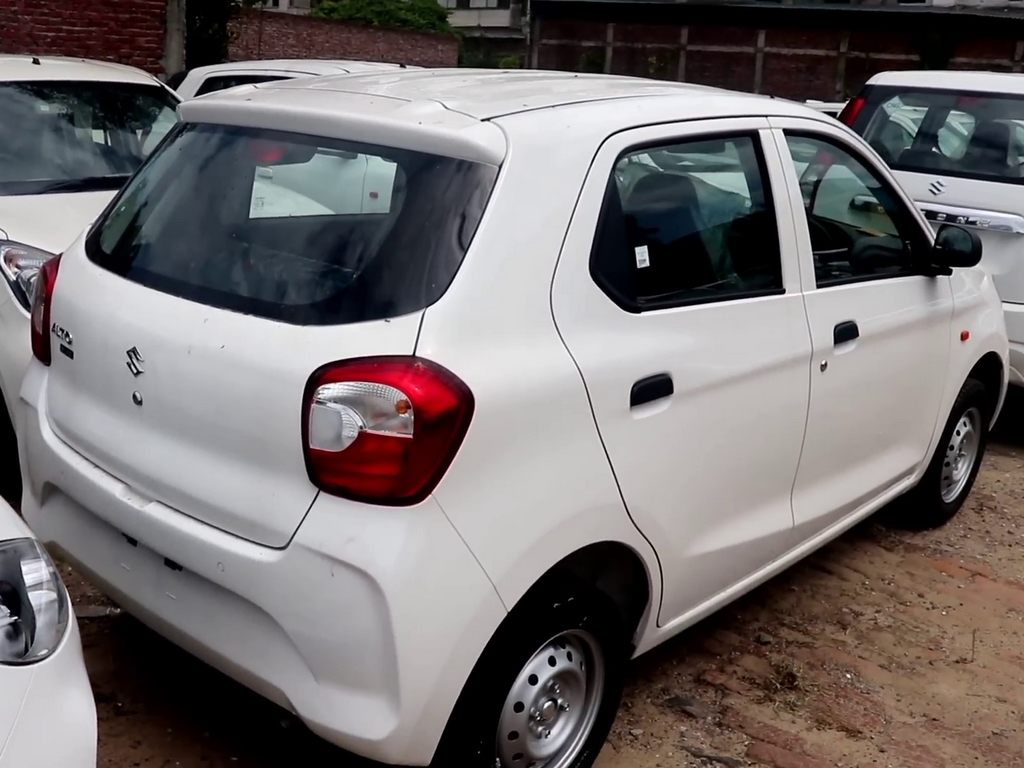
{"x":219,"y":281}
{"x":194,"y":406}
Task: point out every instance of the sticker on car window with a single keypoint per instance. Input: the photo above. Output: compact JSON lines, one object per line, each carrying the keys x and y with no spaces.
{"x":643,"y":257}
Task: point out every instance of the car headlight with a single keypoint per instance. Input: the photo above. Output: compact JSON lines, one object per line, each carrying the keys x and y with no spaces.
{"x":33,"y":603}
{"x":20,"y":264}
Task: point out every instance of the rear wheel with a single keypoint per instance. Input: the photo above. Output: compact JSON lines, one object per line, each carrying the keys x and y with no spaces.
{"x":545,"y":692}
{"x":954,"y":466}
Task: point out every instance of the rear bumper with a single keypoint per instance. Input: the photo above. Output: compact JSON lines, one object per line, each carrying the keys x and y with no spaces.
{"x":55,"y":724}
{"x":366,"y":624}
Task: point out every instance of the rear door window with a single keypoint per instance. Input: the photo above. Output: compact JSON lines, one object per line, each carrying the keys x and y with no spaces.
{"x":305,"y":230}
{"x":688,"y":223}
{"x":979,"y":136}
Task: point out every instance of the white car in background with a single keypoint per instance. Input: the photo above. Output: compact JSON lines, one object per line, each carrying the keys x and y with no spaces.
{"x":71,"y":133}
{"x":47,"y":712}
{"x":956,"y":143}
{"x":427,"y":465}
{"x":830,"y":108}
{"x":217,"y":77}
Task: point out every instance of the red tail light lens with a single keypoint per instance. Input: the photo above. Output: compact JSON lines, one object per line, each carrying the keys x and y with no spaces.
{"x":383,"y":430}
{"x":852,"y":111}
{"x":42,"y":300}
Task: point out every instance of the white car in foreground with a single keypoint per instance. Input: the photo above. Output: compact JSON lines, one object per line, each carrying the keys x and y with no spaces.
{"x":429,"y":473}
{"x":218,"y":77}
{"x":956,"y":143}
{"x":71,"y":132}
{"x":47,"y":714}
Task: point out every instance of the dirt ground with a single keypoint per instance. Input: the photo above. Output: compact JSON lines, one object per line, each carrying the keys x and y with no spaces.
{"x":884,"y":649}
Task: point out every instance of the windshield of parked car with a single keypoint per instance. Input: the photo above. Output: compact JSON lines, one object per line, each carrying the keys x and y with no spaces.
{"x":78,"y":136}
{"x":974,"y":135}
{"x":303,"y":229}
{"x":231,"y":80}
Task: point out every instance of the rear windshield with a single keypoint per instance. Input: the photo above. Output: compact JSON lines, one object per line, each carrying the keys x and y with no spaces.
{"x":223,"y":82}
{"x":973,"y":135}
{"x":78,"y":136}
{"x":310,"y":231}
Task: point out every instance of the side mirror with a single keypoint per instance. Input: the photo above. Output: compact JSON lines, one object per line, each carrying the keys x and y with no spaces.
{"x":956,"y":247}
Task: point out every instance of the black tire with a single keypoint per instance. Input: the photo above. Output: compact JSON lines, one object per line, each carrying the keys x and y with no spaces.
{"x":560,"y":606}
{"x":925,"y":507}
{"x":10,"y":472}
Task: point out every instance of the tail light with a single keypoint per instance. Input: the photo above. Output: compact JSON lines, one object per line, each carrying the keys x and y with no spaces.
{"x":42,"y":300}
{"x":852,"y":111}
{"x":383,"y":430}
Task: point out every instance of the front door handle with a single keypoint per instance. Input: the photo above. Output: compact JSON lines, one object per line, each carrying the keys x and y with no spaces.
{"x":845,"y":332}
{"x":651,"y":388}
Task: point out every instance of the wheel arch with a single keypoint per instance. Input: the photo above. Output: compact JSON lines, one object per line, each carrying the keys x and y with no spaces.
{"x":615,"y":569}
{"x":990,"y":371}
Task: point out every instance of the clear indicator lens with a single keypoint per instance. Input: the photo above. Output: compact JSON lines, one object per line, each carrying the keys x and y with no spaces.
{"x":20,"y":264}
{"x":342,"y":411}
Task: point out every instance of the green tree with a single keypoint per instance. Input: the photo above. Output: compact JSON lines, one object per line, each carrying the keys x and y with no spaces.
{"x":418,"y":15}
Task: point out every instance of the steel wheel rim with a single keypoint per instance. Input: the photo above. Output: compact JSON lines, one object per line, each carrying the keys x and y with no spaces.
{"x":962,"y":452}
{"x":553,"y":704}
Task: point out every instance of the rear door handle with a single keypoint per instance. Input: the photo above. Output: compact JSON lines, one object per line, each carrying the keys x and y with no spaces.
{"x":845,"y":332}
{"x":651,"y":388}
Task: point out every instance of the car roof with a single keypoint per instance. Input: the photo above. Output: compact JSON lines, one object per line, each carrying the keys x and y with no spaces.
{"x":455,"y":106}
{"x":24,"y":68}
{"x":949,"y":80}
{"x":297,"y":66}
{"x":479,"y":94}
{"x":487,"y":94}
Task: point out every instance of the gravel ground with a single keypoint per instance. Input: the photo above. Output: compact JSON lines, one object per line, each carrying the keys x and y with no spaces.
{"x":884,"y":649}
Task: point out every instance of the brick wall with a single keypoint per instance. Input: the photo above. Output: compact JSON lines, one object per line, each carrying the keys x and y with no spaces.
{"x":815,"y":58}
{"x":256,"y":35}
{"x":127,"y":31}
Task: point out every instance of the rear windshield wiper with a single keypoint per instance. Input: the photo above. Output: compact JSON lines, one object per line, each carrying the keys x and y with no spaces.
{"x":47,"y":186}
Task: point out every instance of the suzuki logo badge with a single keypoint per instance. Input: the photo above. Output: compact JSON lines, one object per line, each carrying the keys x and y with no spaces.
{"x":135,"y":362}
{"x":937,"y":187}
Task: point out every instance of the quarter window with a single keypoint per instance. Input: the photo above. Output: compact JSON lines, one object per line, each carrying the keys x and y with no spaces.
{"x":859,"y":229}
{"x":687,"y":223}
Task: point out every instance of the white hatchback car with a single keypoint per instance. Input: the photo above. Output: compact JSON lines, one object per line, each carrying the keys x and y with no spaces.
{"x":47,"y":714}
{"x":956,"y":143}
{"x":71,"y":133}
{"x":218,"y":77}
{"x":429,"y":473}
